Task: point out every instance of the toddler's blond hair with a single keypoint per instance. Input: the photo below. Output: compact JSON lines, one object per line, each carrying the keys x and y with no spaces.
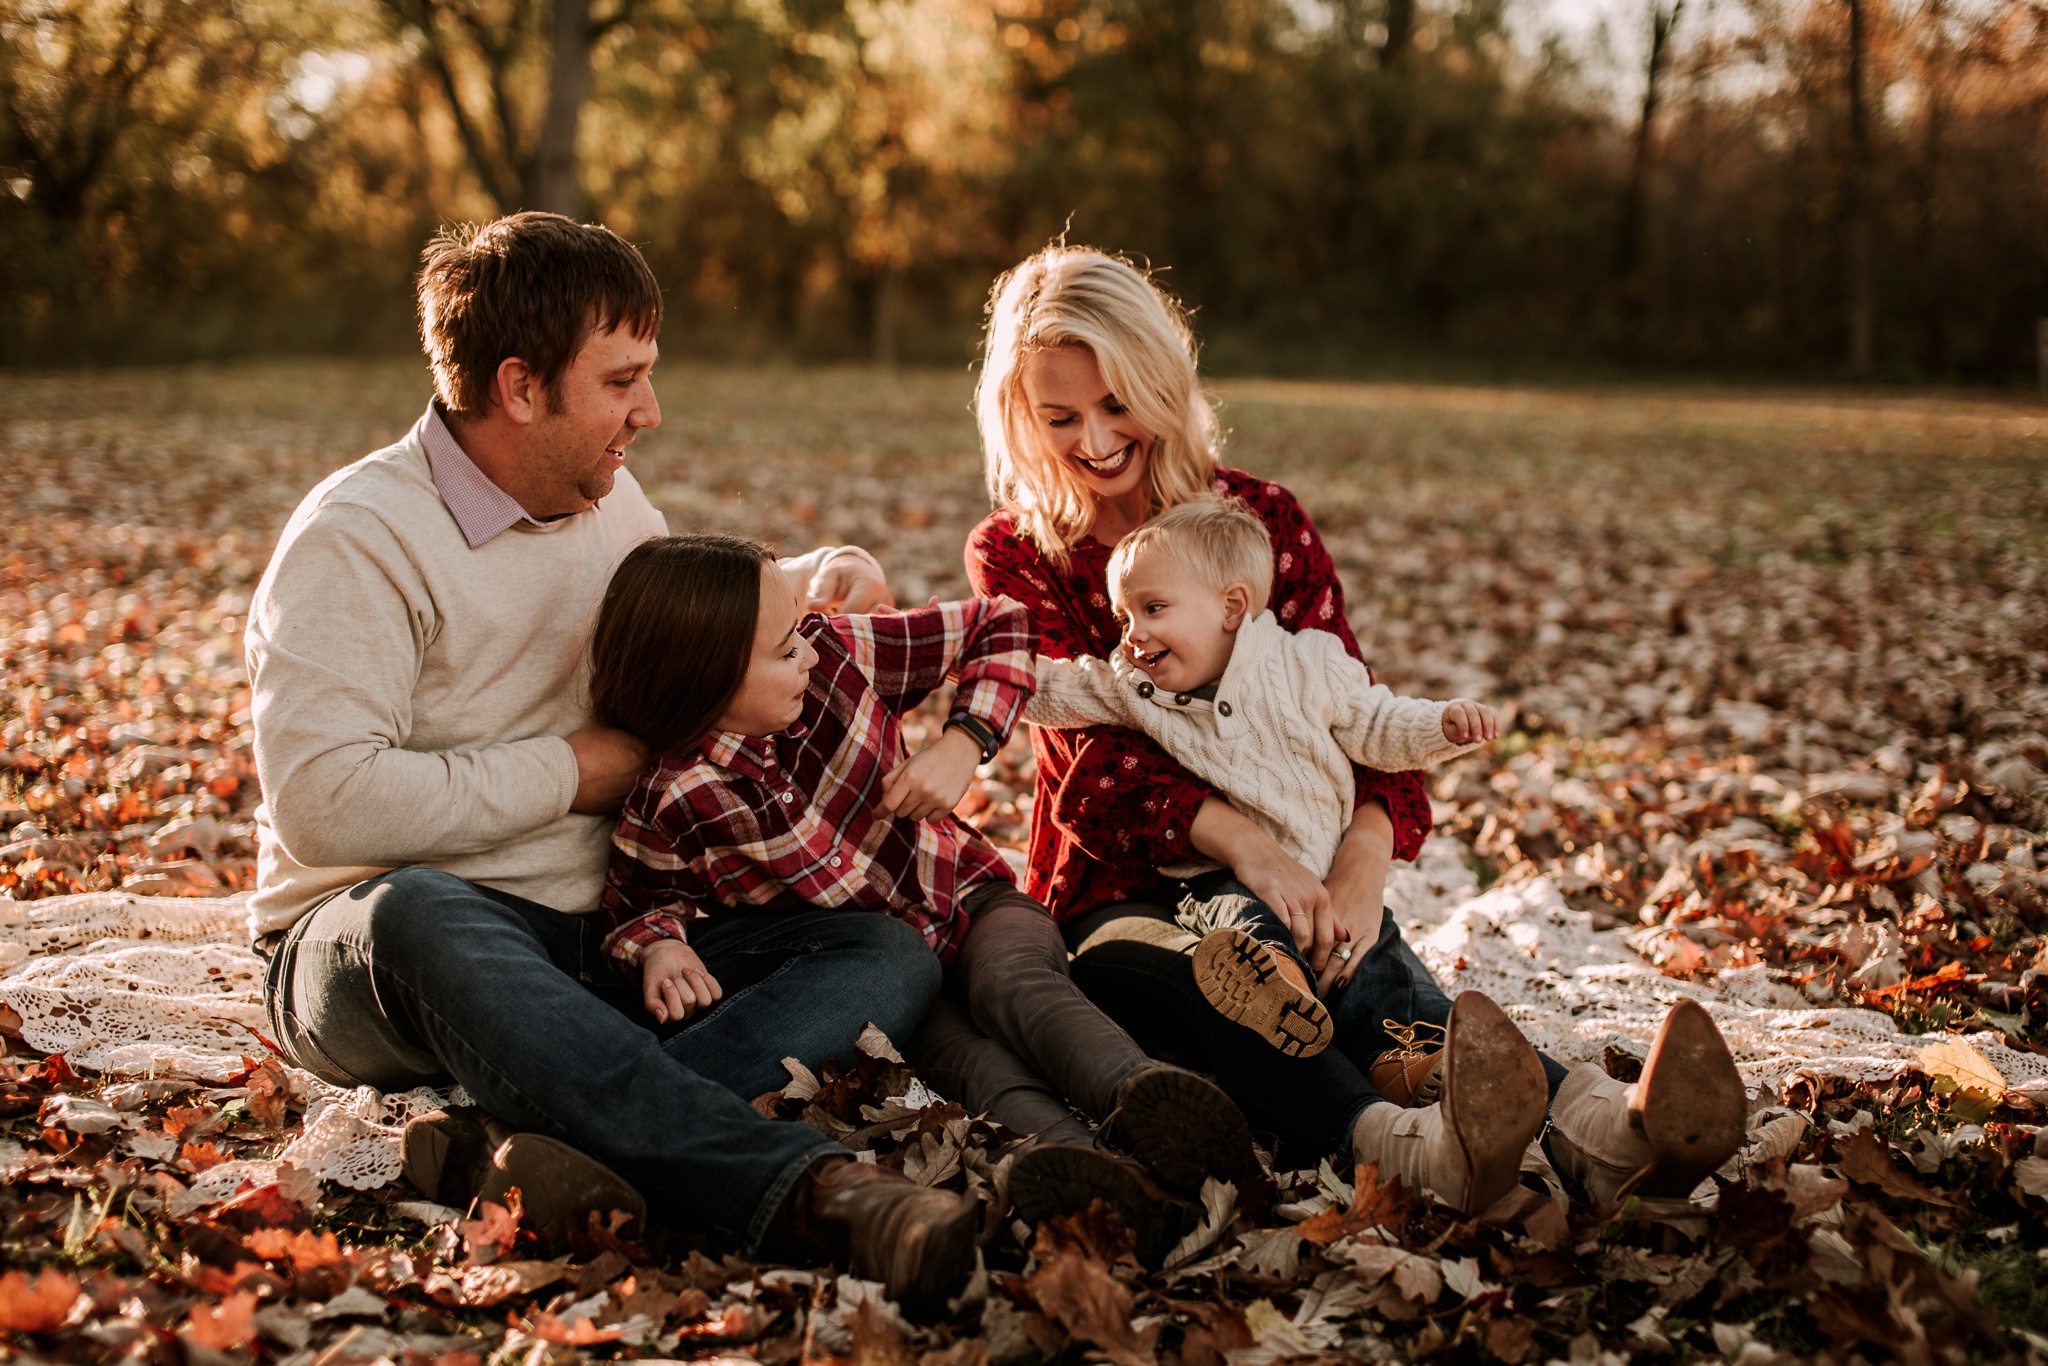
{"x":1219,"y":541}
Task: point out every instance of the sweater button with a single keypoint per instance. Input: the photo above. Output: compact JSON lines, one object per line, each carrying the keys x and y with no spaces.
{"x":1223,"y":707}
{"x":1145,"y":689}
{"x":1181,"y":699}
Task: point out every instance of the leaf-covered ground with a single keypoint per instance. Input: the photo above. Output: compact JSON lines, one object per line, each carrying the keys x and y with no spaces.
{"x":1778,"y":668}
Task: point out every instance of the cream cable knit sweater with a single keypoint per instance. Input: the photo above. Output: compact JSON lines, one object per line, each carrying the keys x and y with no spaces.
{"x":410,"y":694}
{"x":1292,"y":713}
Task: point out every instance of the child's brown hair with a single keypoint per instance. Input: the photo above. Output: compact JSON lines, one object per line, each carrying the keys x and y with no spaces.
{"x":675,"y":637}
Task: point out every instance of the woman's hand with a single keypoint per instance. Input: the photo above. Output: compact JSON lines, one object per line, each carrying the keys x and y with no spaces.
{"x":850,"y":583}
{"x":1469,"y":723}
{"x":1357,"y":885}
{"x":932,"y":781}
{"x":674,"y":983}
{"x":1269,"y":872}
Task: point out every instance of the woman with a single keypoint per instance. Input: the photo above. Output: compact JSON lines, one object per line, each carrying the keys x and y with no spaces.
{"x":1092,"y":421}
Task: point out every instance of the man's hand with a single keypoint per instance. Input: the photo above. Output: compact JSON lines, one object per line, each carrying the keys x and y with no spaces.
{"x":608,"y":763}
{"x":932,"y":781}
{"x":674,"y":983}
{"x":851,"y":584}
{"x":1469,"y":723}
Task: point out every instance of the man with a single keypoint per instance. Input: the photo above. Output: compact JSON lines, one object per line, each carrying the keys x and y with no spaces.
{"x":437,"y":805}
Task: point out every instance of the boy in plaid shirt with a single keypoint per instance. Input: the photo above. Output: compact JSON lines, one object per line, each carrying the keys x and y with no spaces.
{"x":782,"y":785}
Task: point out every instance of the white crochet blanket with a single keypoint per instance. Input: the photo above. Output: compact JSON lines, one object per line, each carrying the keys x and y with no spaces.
{"x":163,"y":986}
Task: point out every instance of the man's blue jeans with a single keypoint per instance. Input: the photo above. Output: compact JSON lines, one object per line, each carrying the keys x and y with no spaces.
{"x":418,"y":977}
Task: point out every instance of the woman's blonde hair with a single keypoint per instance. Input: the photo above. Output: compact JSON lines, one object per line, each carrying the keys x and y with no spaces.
{"x":1139,"y":336}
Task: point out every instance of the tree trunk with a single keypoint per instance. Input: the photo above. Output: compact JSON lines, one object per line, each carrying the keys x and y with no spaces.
{"x":556,"y":187}
{"x":1400,"y":30}
{"x":887,"y":308}
{"x":1636,"y":211}
{"x":1856,"y":207}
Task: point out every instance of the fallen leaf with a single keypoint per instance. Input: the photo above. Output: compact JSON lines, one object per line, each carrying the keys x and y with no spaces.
{"x":306,"y":1250}
{"x":1955,"y":1066}
{"x":1093,"y":1306}
{"x":270,"y":1092}
{"x":38,"y":1306}
{"x":492,"y":1236}
{"x":2031,"y":1175}
{"x":1865,"y":1159}
{"x":1372,"y":1206}
{"x":1416,"y":1277}
{"x":225,"y":1326}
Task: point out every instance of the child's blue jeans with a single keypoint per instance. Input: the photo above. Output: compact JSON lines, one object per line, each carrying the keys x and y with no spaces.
{"x":1391,"y":989}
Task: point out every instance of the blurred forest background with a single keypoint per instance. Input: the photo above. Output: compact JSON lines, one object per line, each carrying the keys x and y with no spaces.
{"x":1820,"y":189}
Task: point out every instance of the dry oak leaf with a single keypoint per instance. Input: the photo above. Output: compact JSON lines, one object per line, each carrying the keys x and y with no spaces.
{"x":580,"y":1333}
{"x":270,"y":1092}
{"x":481,"y":1287}
{"x":197,"y":1157}
{"x":1093,"y":1306}
{"x":495,"y":1232}
{"x":38,"y":1306}
{"x":306,"y":1250}
{"x":1372,"y":1205}
{"x":225,"y":1326}
{"x":1866,"y":1159}
{"x":1417,"y":1278}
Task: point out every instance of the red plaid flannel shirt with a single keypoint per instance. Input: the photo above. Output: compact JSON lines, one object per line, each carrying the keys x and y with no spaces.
{"x":1110,"y":804}
{"x":789,"y":820}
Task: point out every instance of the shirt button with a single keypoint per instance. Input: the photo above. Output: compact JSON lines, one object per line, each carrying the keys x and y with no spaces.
{"x":1223,"y":707}
{"x":835,"y":860}
{"x":789,"y":796}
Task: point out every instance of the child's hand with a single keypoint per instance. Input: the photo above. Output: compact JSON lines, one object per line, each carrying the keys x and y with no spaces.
{"x":1469,"y":723}
{"x":932,"y":781}
{"x":674,"y":983}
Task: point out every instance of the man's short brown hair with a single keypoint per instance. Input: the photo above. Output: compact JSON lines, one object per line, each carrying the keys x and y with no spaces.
{"x":531,"y":285}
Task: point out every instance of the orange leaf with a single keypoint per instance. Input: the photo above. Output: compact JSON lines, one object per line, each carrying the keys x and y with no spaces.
{"x":1372,"y":1205}
{"x":40,"y":1306}
{"x":496,"y":1231}
{"x":226,"y":1326}
{"x":197,"y":1157}
{"x":581,"y":1333}
{"x":212,"y":1280}
{"x":306,"y":1250}
{"x":269,"y":1091}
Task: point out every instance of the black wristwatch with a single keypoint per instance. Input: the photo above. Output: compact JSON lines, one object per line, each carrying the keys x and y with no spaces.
{"x":980,"y":734}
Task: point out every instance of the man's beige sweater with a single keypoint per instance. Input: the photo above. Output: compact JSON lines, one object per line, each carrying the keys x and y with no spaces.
{"x":1291,"y":714}
{"x":411,"y":694}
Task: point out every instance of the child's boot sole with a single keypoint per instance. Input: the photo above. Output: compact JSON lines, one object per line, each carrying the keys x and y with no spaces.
{"x":1242,"y":978}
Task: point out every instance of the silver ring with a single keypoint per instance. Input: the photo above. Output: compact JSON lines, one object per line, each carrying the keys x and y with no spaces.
{"x":1344,"y":954}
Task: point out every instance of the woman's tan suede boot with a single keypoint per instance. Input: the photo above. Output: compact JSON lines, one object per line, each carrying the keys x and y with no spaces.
{"x":1467,"y":1149}
{"x":1663,"y":1135}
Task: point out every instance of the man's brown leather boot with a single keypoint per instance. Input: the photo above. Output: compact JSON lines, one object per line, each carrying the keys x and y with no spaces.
{"x":881,"y":1226}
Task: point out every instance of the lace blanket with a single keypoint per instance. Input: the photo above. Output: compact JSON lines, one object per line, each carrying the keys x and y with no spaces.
{"x":164,"y":986}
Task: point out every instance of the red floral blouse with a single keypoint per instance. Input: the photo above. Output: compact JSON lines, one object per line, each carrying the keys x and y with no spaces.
{"x":1110,"y":804}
